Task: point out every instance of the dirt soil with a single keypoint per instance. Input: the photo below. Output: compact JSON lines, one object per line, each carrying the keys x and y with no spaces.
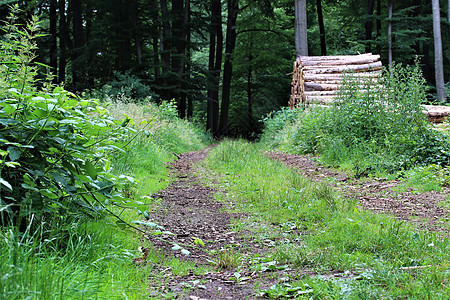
{"x":188,"y":209}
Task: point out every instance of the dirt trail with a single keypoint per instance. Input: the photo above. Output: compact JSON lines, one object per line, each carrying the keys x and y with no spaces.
{"x":379,"y":195}
{"x":189,"y":210}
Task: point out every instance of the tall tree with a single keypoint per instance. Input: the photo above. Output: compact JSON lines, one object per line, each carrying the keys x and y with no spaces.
{"x":390,"y":13}
{"x":78,"y":39}
{"x":369,"y":25}
{"x":179,"y":53}
{"x":323,"y":44}
{"x":439,"y":63}
{"x":230,"y":44}
{"x":301,"y":34}
{"x":63,"y":41}
{"x":378,"y":26}
{"x":214,"y":66}
{"x":53,"y":40}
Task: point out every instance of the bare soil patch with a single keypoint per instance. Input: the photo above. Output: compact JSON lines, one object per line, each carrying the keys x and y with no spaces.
{"x":379,"y":194}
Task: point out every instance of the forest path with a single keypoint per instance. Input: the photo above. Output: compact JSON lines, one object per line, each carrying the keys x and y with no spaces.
{"x":188,"y":208}
{"x":226,"y":270}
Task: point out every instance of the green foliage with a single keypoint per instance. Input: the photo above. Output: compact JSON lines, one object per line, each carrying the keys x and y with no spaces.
{"x":426,"y":178}
{"x":311,"y":226}
{"x":53,"y":146}
{"x":275,"y":122}
{"x":77,"y":260}
{"x":382,"y":129}
{"x":66,"y":166}
{"x":125,"y":87}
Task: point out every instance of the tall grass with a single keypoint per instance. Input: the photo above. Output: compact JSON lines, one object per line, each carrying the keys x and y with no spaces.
{"x":310,"y":226}
{"x":93,"y":259}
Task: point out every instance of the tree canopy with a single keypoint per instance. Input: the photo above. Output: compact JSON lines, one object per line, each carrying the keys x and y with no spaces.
{"x":224,"y":63}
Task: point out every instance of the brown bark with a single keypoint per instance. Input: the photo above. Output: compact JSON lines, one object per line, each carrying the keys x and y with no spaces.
{"x":214,"y":66}
{"x":178,"y":58}
{"x":165,"y":38}
{"x":137,"y":33}
{"x":187,"y":18}
{"x":378,"y":21}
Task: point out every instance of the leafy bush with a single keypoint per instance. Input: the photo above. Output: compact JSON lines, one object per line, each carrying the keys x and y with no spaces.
{"x":381,"y":129}
{"x":53,"y":146}
{"x":125,"y":87}
{"x":275,"y":122}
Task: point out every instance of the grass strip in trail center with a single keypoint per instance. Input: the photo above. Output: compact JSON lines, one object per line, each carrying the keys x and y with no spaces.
{"x":311,"y":226}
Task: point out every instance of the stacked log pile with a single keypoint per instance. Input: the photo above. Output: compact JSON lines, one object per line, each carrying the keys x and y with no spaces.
{"x":316,"y":79}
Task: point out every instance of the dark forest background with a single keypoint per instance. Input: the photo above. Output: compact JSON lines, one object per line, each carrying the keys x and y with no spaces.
{"x":225,"y":63}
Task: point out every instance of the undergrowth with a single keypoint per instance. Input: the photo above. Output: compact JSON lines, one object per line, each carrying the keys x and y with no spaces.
{"x":310,"y":226}
{"x":380,"y":130}
{"x":73,"y":174}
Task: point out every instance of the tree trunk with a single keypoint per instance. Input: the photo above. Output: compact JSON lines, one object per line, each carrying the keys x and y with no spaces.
{"x":165,"y":44}
{"x":390,"y":12}
{"x":178,"y":58}
{"x":187,"y":21}
{"x":63,"y":35}
{"x":137,"y":34}
{"x":214,"y":66}
{"x":210,"y":117}
{"x":155,"y":37}
{"x":439,"y":64}
{"x":301,"y":34}
{"x":233,"y":8}
{"x":323,"y":45}
{"x":218,"y":64}
{"x":369,"y":25}
{"x":249,"y":90}
{"x":53,"y":41}
{"x":165,"y":92}
{"x":378,"y":26}
{"x":78,"y":39}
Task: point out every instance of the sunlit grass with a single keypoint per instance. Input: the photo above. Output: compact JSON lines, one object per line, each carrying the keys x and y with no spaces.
{"x":308,"y":225}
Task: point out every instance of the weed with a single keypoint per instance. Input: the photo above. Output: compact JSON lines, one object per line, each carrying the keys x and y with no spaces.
{"x":228,"y":258}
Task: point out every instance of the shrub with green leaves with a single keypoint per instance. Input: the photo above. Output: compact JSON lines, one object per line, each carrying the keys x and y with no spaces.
{"x":380,"y":128}
{"x":53,"y":146}
{"x":275,"y":122}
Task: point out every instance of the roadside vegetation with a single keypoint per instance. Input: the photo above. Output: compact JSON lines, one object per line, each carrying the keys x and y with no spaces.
{"x":74,"y":174}
{"x":381,"y":132}
{"x":309,"y":226}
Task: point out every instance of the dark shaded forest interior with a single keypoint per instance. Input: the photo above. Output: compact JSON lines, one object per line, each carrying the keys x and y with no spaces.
{"x":226,"y":64}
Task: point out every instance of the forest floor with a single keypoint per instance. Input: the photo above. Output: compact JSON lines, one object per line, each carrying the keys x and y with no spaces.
{"x":189,"y":209}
